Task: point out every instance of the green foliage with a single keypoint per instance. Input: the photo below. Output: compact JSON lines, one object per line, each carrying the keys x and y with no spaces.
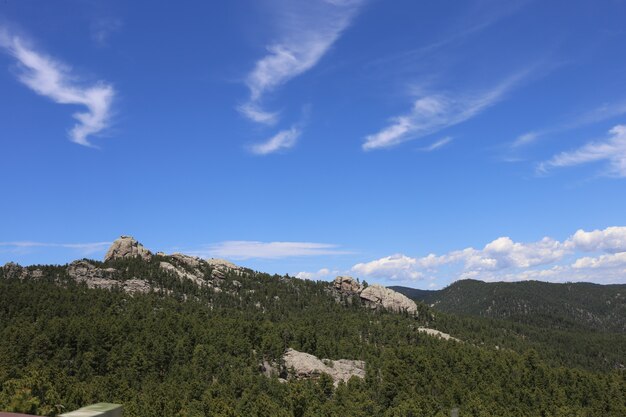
{"x":185,"y":350}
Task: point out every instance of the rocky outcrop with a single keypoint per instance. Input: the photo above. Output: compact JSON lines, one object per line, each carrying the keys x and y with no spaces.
{"x":347,"y":285}
{"x":197,"y":277}
{"x":374,"y":296}
{"x":107,"y":278}
{"x":302,"y":365}
{"x":127,"y":247}
{"x":377,"y":296}
{"x":13,"y":270}
{"x":437,"y":333}
{"x":221,"y":267}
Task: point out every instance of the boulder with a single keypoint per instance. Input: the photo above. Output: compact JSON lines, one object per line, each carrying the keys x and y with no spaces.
{"x":346,"y":285}
{"x":376,"y":296}
{"x":305,"y":366}
{"x":127,"y":247}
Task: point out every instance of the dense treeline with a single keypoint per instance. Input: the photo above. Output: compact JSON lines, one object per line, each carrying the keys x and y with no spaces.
{"x":579,"y":306}
{"x":185,"y":350}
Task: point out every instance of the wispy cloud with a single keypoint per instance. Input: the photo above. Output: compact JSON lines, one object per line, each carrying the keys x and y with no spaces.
{"x":435,"y":112}
{"x":85,"y":248}
{"x":480,"y":16}
{"x":611,"y":150}
{"x":505,"y":259}
{"x":307,"y":31}
{"x":103,"y":28}
{"x":245,"y":249}
{"x":601,"y":113}
{"x":284,"y":139}
{"x":436,"y":145}
{"x":53,"y":79}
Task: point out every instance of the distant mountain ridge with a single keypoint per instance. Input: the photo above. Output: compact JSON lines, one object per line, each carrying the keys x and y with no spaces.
{"x":564,"y":306}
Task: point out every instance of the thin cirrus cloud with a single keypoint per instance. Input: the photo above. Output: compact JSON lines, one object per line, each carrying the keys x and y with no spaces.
{"x":245,"y":249}
{"x":436,"y":145}
{"x":505,"y":259}
{"x":611,"y":150}
{"x":284,"y":139}
{"x":52,"y":79}
{"x":598,"y":114}
{"x":84,"y":248}
{"x":432,"y":113}
{"x":308,"y":29}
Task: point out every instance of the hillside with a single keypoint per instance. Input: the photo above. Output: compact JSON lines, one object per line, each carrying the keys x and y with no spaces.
{"x":568,"y":306}
{"x":173,"y":335}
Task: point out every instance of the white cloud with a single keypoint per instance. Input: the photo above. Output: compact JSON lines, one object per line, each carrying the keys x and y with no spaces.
{"x":308,"y":30}
{"x":505,"y":259}
{"x":244,"y":249}
{"x":320,"y":274}
{"x":254,"y":113}
{"x":394,"y":267}
{"x":437,"y":145}
{"x":603,"y":261}
{"x":84,"y":248}
{"x":284,"y":139}
{"x":601,"y":113}
{"x":432,"y":113}
{"x":611,"y":239}
{"x":52,"y":79}
{"x":611,"y":150}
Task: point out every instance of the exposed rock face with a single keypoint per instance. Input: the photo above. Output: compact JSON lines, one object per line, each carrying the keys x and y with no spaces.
{"x":377,"y":296}
{"x":83,"y":270}
{"x":374,"y":296}
{"x":13,"y":270}
{"x":94,"y":277}
{"x":305,"y":366}
{"x":346,"y":285}
{"x":222,"y":266}
{"x":197,"y":277}
{"x":437,"y":333}
{"x":127,"y":247}
{"x":190,"y":261}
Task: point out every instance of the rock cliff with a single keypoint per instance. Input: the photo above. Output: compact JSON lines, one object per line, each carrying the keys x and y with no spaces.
{"x":127,"y":247}
{"x":374,"y":296}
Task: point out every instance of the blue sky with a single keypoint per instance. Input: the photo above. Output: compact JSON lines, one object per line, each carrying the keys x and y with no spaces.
{"x":402,"y":142}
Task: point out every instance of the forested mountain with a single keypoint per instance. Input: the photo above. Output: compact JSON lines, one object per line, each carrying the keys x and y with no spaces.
{"x":569,"y":306}
{"x":176,"y":336}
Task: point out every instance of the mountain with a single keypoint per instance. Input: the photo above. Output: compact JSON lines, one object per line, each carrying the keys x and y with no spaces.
{"x":582,"y":306}
{"x":176,"y":335}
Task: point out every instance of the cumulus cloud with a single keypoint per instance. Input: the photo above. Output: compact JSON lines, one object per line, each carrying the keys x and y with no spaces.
{"x":603,"y":261}
{"x":611,"y":150}
{"x":611,"y":239}
{"x":51,"y":78}
{"x":320,"y":274}
{"x":245,"y":249}
{"x":284,"y":139}
{"x":432,"y":113}
{"x":505,"y":259}
{"x":308,"y":29}
{"x":395,"y":267}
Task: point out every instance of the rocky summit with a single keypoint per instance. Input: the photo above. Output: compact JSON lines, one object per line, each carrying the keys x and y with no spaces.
{"x":127,"y":247}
